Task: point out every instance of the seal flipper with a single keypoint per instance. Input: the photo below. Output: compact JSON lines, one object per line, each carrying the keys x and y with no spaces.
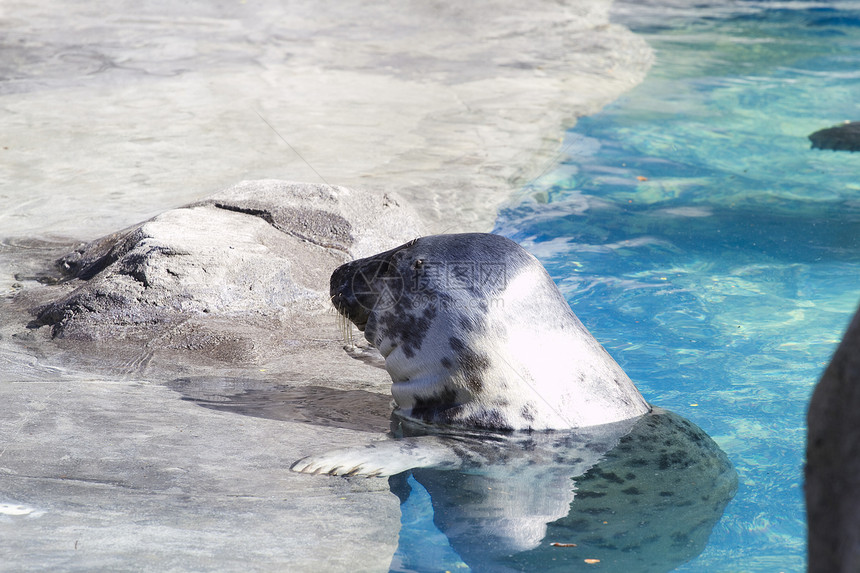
{"x":384,"y":458}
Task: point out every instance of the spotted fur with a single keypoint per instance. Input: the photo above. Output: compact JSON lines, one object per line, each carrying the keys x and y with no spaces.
{"x":476,"y":334}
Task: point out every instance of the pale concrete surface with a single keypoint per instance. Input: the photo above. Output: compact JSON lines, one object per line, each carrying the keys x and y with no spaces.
{"x":100,"y":475}
{"x":116,"y":111}
{"x":113,"y":113}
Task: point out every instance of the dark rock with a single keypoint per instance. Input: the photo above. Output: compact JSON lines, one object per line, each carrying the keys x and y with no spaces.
{"x":845,"y":137}
{"x":833,"y":461}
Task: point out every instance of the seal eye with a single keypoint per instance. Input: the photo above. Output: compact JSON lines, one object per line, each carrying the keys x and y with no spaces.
{"x":418,"y":263}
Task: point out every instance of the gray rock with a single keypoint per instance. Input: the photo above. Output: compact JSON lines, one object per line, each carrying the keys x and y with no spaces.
{"x":833,"y":461}
{"x":223,"y":276}
{"x":845,"y":137}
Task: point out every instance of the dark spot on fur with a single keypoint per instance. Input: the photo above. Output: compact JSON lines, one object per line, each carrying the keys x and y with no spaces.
{"x":474,"y":383}
{"x":461,"y":452}
{"x":471,"y":365}
{"x":456,"y":344}
{"x":467,"y":323}
{"x":492,"y":419}
{"x":680,"y":538}
{"x":631,"y":491}
{"x":676,"y":459}
{"x":595,"y":447}
{"x":589,"y":494}
{"x":666,"y":494}
{"x":612,"y":477}
{"x":446,"y":362}
{"x":406,"y":329}
{"x":432,"y":408}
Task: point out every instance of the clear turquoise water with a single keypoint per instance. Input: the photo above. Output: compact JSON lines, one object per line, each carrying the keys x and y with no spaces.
{"x":715,"y":255}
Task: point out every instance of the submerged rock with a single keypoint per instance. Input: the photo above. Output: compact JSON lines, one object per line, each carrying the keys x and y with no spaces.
{"x":833,"y":461}
{"x":845,"y":137}
{"x":219,"y":276}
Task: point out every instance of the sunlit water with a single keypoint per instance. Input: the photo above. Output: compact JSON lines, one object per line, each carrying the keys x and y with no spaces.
{"x":715,"y":254}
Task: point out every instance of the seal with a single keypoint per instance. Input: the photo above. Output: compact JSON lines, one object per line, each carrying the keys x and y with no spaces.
{"x":476,"y":334}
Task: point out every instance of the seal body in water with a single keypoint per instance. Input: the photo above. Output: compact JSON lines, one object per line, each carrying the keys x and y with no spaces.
{"x":482,"y":348}
{"x":476,"y":334}
{"x":640,"y":495}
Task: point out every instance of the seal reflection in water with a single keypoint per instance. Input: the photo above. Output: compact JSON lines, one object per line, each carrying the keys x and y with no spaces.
{"x":506,"y":406}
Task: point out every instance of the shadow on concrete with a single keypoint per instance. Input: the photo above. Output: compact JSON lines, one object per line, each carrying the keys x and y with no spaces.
{"x":358,"y":410}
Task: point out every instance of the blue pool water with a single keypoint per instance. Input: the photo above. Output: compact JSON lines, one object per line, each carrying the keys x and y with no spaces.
{"x":712,"y":252}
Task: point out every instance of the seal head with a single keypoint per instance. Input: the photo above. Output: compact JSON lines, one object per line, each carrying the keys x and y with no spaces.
{"x":475,"y":333}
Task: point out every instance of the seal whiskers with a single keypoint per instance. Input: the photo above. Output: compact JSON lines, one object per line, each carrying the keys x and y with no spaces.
{"x":346,"y":331}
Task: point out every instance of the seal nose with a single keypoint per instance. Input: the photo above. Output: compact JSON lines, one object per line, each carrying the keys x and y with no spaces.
{"x":343,"y":297}
{"x":338,"y":280}
{"x":338,"y":286}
